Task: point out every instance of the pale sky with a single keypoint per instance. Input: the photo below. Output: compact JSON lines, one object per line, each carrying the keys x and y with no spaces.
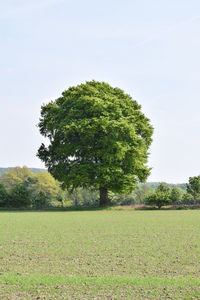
{"x":149,"y":48}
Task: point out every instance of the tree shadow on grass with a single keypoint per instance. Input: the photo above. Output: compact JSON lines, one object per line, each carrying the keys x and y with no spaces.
{"x":53,"y":209}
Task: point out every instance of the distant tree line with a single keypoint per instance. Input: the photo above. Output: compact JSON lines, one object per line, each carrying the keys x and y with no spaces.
{"x":20,"y":187}
{"x":166,"y":195}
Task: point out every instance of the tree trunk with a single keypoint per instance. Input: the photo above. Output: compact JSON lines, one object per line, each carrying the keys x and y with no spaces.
{"x":104,"y":200}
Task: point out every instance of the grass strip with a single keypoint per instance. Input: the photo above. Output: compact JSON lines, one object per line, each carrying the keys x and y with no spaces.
{"x":51,"y":280}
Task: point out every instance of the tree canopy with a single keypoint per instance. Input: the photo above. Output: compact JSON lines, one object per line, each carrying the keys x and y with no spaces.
{"x":98,"y":137}
{"x":15,"y":176}
{"x":193,"y":187}
{"x":176,"y":194}
{"x":161,"y":196}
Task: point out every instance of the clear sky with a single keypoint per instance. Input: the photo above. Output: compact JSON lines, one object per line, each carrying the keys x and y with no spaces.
{"x":151,"y":49}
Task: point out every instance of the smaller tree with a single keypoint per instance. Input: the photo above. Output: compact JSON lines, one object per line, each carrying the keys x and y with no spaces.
{"x":40,"y":200}
{"x":43,"y":182}
{"x":19,"y":196}
{"x":187,"y":198}
{"x":160,"y":197}
{"x":176,"y":194}
{"x":193,"y":187}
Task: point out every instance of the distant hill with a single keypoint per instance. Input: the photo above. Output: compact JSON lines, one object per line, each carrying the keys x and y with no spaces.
{"x":34,"y":170}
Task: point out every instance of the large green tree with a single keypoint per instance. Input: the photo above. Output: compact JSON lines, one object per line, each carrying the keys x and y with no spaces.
{"x":98,"y":137}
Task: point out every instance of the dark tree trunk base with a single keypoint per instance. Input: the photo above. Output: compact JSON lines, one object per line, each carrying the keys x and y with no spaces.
{"x":104,"y":200}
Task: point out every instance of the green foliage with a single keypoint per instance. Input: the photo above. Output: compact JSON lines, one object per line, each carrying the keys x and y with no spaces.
{"x":138,"y":196}
{"x":141,"y":191}
{"x":187,"y":198}
{"x":45,"y":191}
{"x":122,"y":199}
{"x":33,"y":170}
{"x":44,"y":183}
{"x":40,"y":189}
{"x":154,"y":185}
{"x":160,"y":197}
{"x":19,"y":196}
{"x":193,"y":187}
{"x":89,"y":197}
{"x":3,"y":196}
{"x":176,"y":194}
{"x":98,"y":136}
{"x":15,"y":176}
{"x":81,"y":197}
{"x":40,"y":200}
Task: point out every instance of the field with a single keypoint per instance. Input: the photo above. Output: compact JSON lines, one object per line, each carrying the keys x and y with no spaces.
{"x":106,"y":254}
